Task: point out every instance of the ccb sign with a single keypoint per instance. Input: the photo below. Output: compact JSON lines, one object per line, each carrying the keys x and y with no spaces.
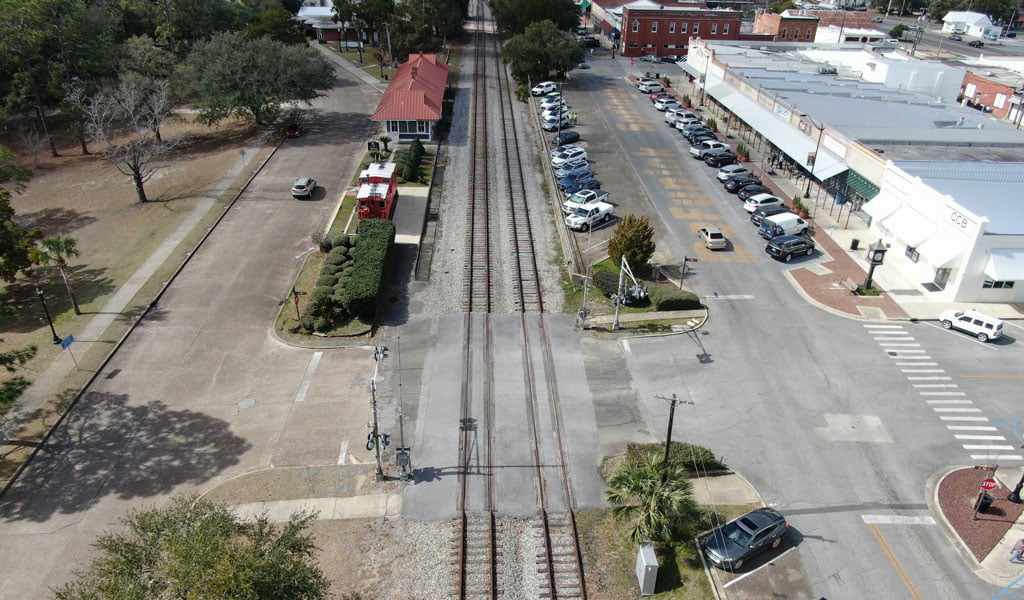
{"x":961,"y":222}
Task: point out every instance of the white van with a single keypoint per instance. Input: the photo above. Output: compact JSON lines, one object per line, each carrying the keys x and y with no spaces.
{"x":782,"y":224}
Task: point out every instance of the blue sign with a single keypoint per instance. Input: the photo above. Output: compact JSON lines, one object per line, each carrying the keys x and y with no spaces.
{"x":64,"y":343}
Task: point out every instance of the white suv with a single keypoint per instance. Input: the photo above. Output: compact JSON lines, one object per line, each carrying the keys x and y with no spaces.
{"x":979,"y":325}
{"x":649,"y":87}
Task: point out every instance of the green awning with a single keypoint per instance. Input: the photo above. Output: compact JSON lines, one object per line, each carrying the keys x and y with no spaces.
{"x":861,"y":185}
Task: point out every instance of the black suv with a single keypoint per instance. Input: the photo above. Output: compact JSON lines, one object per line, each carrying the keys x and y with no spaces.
{"x":566,"y":137}
{"x":786,"y":246}
{"x":753,"y":190}
{"x":720,"y":160}
{"x":735,"y":184}
{"x":590,"y":42}
{"x":729,"y":546}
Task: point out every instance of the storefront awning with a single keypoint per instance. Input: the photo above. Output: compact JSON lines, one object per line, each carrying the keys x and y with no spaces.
{"x":1006,"y":264}
{"x":882,"y":206}
{"x":909,"y":226}
{"x":942,"y":250}
{"x":789,"y":139}
{"x":689,"y":69}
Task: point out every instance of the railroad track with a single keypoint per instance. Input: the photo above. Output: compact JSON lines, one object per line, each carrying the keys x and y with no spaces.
{"x":497,"y":191}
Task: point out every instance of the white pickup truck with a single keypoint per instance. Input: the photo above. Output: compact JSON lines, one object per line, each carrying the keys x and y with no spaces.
{"x":583,"y":197}
{"x":588,"y":215}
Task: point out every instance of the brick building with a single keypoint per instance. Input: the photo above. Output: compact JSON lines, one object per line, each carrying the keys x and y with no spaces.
{"x":649,"y":28}
{"x":787,"y":27}
{"x":990,"y":96}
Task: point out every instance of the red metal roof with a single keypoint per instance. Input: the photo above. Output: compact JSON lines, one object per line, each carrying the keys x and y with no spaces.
{"x":415,"y":92}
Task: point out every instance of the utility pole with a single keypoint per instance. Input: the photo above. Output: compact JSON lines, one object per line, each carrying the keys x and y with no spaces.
{"x":379,"y":354}
{"x":668,"y":435}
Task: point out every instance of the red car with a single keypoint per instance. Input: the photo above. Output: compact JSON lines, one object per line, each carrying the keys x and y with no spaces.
{"x":657,"y":95}
{"x":294,"y":130}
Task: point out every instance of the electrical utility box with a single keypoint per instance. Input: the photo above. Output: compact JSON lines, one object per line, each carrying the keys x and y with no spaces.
{"x":646,"y":569}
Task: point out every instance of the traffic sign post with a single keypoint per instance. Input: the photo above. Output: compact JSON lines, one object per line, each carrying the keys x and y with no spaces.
{"x":984,"y":500}
{"x":989,"y":484}
{"x":66,"y":345}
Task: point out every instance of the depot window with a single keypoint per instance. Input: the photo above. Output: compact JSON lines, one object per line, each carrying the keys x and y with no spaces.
{"x":672,"y":27}
{"x":682,"y":27}
{"x":696,"y":28}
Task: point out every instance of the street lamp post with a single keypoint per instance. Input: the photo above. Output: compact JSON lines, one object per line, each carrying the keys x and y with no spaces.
{"x":46,"y":311}
{"x":876,"y":256}
{"x":814,"y":162}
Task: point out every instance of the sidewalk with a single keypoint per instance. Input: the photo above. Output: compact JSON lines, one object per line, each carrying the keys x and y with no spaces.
{"x":834,"y":232}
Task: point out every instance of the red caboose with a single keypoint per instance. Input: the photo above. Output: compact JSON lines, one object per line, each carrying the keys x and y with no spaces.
{"x":378,"y":188}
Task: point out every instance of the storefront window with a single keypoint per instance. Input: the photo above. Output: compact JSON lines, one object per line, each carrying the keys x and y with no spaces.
{"x":998,"y":285}
{"x":912,"y":254}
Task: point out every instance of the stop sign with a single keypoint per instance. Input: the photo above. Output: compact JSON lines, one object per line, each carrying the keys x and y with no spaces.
{"x":989,"y":484}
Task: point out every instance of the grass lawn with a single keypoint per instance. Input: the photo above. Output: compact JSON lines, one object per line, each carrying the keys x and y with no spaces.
{"x":286,"y":318}
{"x":600,"y":305}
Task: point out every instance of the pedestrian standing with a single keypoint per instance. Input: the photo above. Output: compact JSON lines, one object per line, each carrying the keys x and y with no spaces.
{"x":1018,"y":551}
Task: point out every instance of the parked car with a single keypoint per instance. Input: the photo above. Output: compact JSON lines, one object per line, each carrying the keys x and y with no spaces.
{"x":752,"y":190}
{"x":587,"y":183}
{"x":914,"y":27}
{"x":695,"y":140}
{"x":651,"y":58}
{"x":976,"y":43}
{"x":684,"y":122}
{"x":568,"y":155}
{"x":564,"y":148}
{"x":568,"y":167}
{"x":583,"y":65}
{"x":697,"y":150}
{"x":583,"y":197}
{"x":589,"y":41}
{"x":553,"y":123}
{"x":877,"y":19}
{"x":720,"y":159}
{"x":574,"y":169}
{"x":650,"y":87}
{"x":696,"y":133}
{"x":565,"y":137}
{"x":713,"y":238}
{"x":956,"y":37}
{"x":1010,"y":34}
{"x":544,"y":87}
{"x":735,"y":184}
{"x":755,"y":202}
{"x":978,"y":324}
{"x":303,"y":187}
{"x":294,"y":130}
{"x":666,"y":103}
{"x":670,"y":58}
{"x":730,"y":545}
{"x":731,"y":171}
{"x":785,"y":247}
{"x":549,"y":103}
{"x":759,"y":215}
{"x":683,"y":113}
{"x":642,"y":80}
{"x":554,"y":112}
{"x":654,"y":97}
{"x":572,"y":178}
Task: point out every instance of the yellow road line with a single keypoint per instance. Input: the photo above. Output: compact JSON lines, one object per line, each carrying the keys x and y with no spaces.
{"x":895,"y":562}
{"x":993,"y":376}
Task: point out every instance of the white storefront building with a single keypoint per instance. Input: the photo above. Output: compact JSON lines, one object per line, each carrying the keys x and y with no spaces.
{"x":955,"y":228}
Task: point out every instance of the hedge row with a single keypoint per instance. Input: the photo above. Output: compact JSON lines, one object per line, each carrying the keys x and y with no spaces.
{"x":371,"y":257}
{"x":668,"y":297}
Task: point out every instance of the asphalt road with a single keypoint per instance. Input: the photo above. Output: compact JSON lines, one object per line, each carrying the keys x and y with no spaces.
{"x":817,"y":411}
{"x":201,"y":391}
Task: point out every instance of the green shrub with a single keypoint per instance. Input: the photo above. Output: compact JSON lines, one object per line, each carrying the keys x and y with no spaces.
{"x":687,"y":101}
{"x":339,"y":287}
{"x":330,"y":269}
{"x":306,"y":322}
{"x":668,"y":297}
{"x":335,"y":259}
{"x":416,"y":150}
{"x":321,"y":325}
{"x":320,"y":302}
{"x":339,"y":251}
{"x":607,"y":282}
{"x":340,"y":240}
{"x":370,"y":270}
{"x":322,"y":241}
{"x":695,"y":459}
{"x":411,"y":172}
{"x":326,"y":281}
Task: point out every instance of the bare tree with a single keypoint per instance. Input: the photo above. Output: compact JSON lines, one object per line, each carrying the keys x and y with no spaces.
{"x":125,"y":121}
{"x":33,"y":141}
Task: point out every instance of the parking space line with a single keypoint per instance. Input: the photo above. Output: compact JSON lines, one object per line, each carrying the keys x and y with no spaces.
{"x":895,"y":562}
{"x":969,"y":339}
{"x":769,"y":563}
{"x":307,"y":378}
{"x":343,"y":453}
{"x":980,"y":437}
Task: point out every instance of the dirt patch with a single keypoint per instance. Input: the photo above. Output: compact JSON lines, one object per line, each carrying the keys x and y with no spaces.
{"x":957,"y":494}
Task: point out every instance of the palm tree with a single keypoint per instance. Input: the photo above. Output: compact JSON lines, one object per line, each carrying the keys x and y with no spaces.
{"x":55,"y":250}
{"x":658,"y":509}
{"x":385,"y":139}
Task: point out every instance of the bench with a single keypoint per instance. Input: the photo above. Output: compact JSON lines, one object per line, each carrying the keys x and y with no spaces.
{"x":849,"y":284}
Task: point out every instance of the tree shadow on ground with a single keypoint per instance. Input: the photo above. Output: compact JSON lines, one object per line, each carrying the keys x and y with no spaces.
{"x":110,"y":446}
{"x":341,"y":127}
{"x":89,"y":285}
{"x":396,"y":298}
{"x":56,"y":220}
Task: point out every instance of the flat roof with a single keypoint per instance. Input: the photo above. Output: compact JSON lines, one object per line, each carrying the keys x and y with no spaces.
{"x":990,"y":190}
{"x":902,"y":123}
